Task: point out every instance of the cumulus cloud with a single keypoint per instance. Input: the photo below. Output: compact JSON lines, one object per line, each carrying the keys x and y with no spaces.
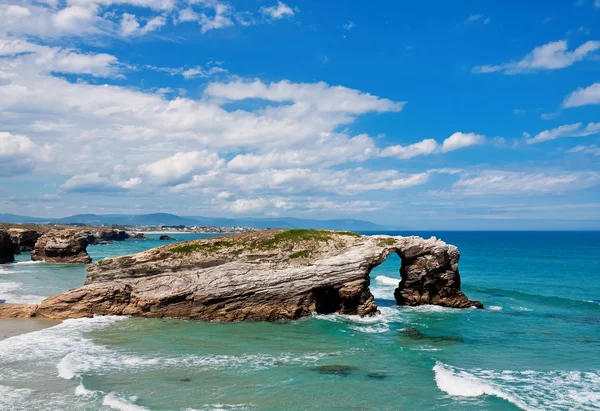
{"x":18,"y":154}
{"x":583,"y":96}
{"x":178,"y":167}
{"x":279,"y":11}
{"x":567,"y":130}
{"x":552,"y":56}
{"x":429,"y":146}
{"x":131,"y":27}
{"x":495,"y":182}
{"x":94,"y":182}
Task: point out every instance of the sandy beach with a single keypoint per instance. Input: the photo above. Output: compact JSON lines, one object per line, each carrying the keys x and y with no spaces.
{"x":10,"y":327}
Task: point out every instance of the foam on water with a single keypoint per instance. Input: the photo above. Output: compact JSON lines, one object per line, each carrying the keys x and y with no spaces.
{"x":528,"y":390}
{"x":116,"y":403}
{"x":11,"y":397}
{"x":27,"y":262}
{"x":495,"y":308}
{"x":9,"y":294}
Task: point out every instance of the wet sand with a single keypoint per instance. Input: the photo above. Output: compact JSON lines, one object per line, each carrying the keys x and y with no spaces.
{"x":9,"y":327}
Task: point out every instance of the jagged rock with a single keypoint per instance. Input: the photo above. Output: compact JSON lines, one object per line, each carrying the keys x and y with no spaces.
{"x":7,"y":248}
{"x":138,"y":236}
{"x":105,"y":235}
{"x":62,"y":246}
{"x":24,"y":239}
{"x":166,"y":238}
{"x":266,"y":275}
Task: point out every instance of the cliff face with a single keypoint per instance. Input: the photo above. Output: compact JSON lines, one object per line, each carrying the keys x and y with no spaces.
{"x":267,"y":275}
{"x":62,"y":246}
{"x":24,"y":239}
{"x":7,"y":248}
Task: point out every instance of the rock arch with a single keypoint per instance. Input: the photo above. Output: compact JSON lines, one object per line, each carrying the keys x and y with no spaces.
{"x":267,"y":275}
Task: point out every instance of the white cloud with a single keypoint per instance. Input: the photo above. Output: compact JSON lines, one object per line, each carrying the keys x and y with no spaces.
{"x":567,"y":130}
{"x":179,"y":167}
{"x":460,"y":140}
{"x":74,"y":18}
{"x":131,"y":27}
{"x":321,"y":96}
{"x":477,"y":17}
{"x":94,"y":182}
{"x":280,"y":11}
{"x":222,"y":17}
{"x":429,"y":146}
{"x":550,"y":56}
{"x":492,"y":182}
{"x":591,"y":149}
{"x":548,"y":116}
{"x":18,"y":154}
{"x":583,"y":96}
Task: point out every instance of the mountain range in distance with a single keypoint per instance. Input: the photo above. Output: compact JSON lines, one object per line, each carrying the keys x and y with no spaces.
{"x":158,"y":219}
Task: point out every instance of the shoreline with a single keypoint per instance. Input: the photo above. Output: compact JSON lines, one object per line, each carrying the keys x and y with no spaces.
{"x":181,"y":232}
{"x":11,"y":327}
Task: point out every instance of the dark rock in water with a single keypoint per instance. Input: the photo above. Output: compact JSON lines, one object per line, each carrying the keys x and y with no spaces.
{"x":166,"y":238}
{"x":411,"y":332}
{"x":62,"y":246}
{"x":336,"y":369}
{"x":185,"y":380}
{"x":377,"y":375}
{"x":7,"y":248}
{"x":138,"y":236}
{"x":24,"y":239}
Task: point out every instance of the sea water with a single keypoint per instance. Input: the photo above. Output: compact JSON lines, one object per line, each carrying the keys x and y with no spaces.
{"x":535,"y":346}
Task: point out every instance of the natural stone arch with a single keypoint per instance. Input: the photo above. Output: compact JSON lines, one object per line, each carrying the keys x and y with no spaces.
{"x":268,"y":275}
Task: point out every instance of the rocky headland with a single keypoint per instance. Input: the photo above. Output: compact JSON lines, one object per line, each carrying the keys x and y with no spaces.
{"x":266,"y":275}
{"x":25,"y":239}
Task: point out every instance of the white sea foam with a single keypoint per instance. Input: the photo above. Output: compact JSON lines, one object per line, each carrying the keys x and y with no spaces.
{"x":81,"y":391}
{"x":384,"y":279}
{"x":495,"y":308}
{"x":383,"y":287}
{"x":528,"y":390}
{"x":28,"y":262}
{"x":375,"y":324}
{"x":9,"y":294}
{"x":116,"y":403}
{"x":432,"y":309}
{"x":11,"y":397}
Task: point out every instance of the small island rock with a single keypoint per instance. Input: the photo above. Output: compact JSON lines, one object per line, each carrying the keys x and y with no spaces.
{"x":62,"y":246}
{"x":166,"y":238}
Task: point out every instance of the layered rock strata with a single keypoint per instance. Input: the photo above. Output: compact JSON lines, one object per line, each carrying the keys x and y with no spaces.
{"x":24,"y":239}
{"x":62,"y":246}
{"x":266,"y":275}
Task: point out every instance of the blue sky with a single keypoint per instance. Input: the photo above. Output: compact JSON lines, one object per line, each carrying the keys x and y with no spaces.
{"x":436,"y":115}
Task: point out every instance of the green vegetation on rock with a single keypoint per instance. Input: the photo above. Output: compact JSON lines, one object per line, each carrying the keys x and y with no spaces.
{"x":386,"y":241}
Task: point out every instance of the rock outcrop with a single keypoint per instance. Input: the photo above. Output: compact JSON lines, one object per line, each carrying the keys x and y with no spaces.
{"x":138,"y":236}
{"x":24,"y":239}
{"x":102,"y":236}
{"x":166,"y":238}
{"x":266,"y":275}
{"x":62,"y":246}
{"x":7,"y":248}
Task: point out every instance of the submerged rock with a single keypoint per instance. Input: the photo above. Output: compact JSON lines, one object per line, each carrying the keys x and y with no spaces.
{"x":62,"y":246}
{"x":265,"y":275}
{"x":24,"y":239}
{"x":377,"y":375}
{"x":7,"y":248}
{"x":166,"y":238}
{"x":336,"y":369}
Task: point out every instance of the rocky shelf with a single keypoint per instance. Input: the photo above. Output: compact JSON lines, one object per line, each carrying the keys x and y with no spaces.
{"x":265,"y":275}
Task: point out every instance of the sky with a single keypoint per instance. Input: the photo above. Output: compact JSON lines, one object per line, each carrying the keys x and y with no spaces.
{"x":427,"y":115}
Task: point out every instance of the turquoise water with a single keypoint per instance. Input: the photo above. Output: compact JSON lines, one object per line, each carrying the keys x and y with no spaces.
{"x":534,"y":347}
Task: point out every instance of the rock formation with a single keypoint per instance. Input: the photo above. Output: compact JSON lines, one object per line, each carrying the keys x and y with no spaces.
{"x":62,"y":246}
{"x":7,"y":248}
{"x":102,"y":236}
{"x":266,"y":275}
{"x":166,"y":238}
{"x":138,"y":236}
{"x":24,"y":239}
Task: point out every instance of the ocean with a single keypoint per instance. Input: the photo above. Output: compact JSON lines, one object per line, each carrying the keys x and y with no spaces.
{"x":535,"y":346}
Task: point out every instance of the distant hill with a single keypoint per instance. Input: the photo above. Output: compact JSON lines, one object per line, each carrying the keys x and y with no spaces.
{"x":157,"y":219}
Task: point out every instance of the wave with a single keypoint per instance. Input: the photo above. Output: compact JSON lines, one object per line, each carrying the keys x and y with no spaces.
{"x":116,"y":403}
{"x":537,"y":298}
{"x":11,"y":398}
{"x":384,"y":279}
{"x":27,"y":262}
{"x":8,"y":294}
{"x":495,"y":308}
{"x":528,"y":390}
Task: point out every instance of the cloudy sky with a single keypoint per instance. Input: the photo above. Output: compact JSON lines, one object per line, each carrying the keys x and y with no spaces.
{"x":433,"y":115}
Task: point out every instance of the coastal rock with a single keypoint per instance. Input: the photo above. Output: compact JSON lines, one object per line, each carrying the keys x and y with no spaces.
{"x":7,"y":248}
{"x":137,"y":236}
{"x":104,"y":236}
{"x":166,"y":238}
{"x":266,"y":275}
{"x":24,"y":239}
{"x":62,"y":246}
